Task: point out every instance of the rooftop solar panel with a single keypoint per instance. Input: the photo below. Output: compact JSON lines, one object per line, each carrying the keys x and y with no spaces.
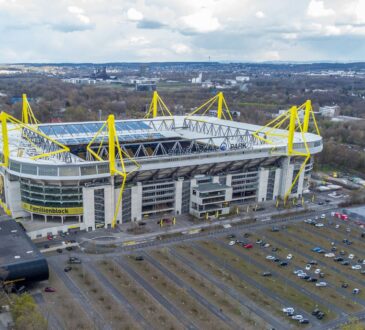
{"x":90,"y":128}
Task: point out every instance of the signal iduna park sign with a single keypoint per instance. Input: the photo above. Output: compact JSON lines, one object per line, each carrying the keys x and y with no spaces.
{"x":52,"y":210}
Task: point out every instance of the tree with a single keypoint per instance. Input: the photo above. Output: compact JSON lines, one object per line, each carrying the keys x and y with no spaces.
{"x":25,"y":313}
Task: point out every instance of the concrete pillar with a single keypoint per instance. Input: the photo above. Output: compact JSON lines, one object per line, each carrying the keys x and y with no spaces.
{"x":229,"y":180}
{"x":287,"y":170}
{"x":178,"y":195}
{"x":89,"y":207}
{"x":136,"y":202}
{"x":263,"y":182}
{"x":116,"y":196}
{"x":108,"y":205}
{"x":277,"y":182}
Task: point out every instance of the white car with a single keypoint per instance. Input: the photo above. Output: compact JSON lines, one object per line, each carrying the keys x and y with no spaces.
{"x":323,"y":216}
{"x":297,"y":317}
{"x":317,"y":271}
{"x":308,"y":267}
{"x":297,"y":271}
{"x":329,"y":255}
{"x":337,"y":226}
{"x":266,"y":245}
{"x":270,"y":257}
{"x":316,"y":218}
{"x":301,"y":275}
{"x":288,"y":310}
{"x":320,"y":284}
{"x":232,"y":243}
{"x":319,"y":224}
{"x":356,"y":267}
{"x":351,"y":256}
{"x":289,"y":256}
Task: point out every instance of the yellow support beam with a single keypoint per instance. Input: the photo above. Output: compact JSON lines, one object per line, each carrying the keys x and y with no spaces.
{"x":154,"y":106}
{"x":4,"y":133}
{"x":307,"y":112}
{"x":220,"y":105}
{"x":293,"y":118}
{"x":25,"y":109}
{"x":111,"y":142}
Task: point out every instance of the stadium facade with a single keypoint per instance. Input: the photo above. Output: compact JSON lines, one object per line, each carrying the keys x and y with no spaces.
{"x":71,"y":175}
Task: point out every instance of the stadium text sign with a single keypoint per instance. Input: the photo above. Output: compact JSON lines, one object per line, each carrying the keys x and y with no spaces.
{"x":52,"y":210}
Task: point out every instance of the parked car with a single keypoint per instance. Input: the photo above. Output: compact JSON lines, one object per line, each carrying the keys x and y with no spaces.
{"x":344,"y":285}
{"x":356,"y":267}
{"x":308,"y":267}
{"x":356,"y":291}
{"x":319,"y":224}
{"x":270,"y":257}
{"x":297,"y":317}
{"x":266,"y":274}
{"x":288,"y":309}
{"x":284,"y":263}
{"x":74,"y":260}
{"x":59,"y":250}
{"x":49,"y":289}
{"x":303,"y":321}
{"x":232,"y":243}
{"x":321,"y":284}
{"x":248,"y":246}
{"x":139,"y":258}
{"x":67,"y":269}
{"x":289,"y":256}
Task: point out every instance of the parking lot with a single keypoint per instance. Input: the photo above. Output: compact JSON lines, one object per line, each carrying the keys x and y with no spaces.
{"x":270,"y":276}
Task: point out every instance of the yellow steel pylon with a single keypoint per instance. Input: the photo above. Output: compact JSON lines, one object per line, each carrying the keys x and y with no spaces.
{"x":109,"y":131}
{"x":28,"y":116}
{"x":274,"y":130}
{"x":222,"y":107}
{"x":157,"y":104}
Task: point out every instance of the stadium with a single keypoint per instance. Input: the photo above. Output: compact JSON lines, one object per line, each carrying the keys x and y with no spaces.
{"x":88,"y":175}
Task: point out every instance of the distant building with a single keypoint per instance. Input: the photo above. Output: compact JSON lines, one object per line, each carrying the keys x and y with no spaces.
{"x":145,"y":85}
{"x":346,"y":118}
{"x":241,"y":79}
{"x":197,"y":80}
{"x":100,"y":73}
{"x":329,"y":111}
{"x":235,"y":114}
{"x":80,"y":81}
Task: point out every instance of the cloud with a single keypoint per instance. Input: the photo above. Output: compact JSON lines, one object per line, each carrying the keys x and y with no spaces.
{"x":316,"y":9}
{"x":201,"y":21}
{"x":134,"y":15}
{"x":260,"y":14}
{"x":163,"y":30}
{"x":152,"y":25}
{"x":181,"y":49}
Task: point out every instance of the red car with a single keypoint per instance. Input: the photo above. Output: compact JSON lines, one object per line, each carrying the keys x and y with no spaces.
{"x":248,"y":246}
{"x":49,"y":289}
{"x":49,"y":237}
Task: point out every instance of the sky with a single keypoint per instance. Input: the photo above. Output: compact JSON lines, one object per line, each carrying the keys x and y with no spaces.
{"x":181,"y":30}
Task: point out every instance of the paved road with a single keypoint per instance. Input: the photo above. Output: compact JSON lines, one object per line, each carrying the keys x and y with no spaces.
{"x":261,"y":267}
{"x":52,"y":321}
{"x":318,"y":232}
{"x":242,"y":276}
{"x":321,"y":261}
{"x":249,"y":304}
{"x":116,"y":294}
{"x":288,"y":281}
{"x":200,"y":299}
{"x":156,"y":295}
{"x":76,"y":292}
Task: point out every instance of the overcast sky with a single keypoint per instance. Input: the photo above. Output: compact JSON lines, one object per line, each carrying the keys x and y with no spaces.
{"x":181,"y":30}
